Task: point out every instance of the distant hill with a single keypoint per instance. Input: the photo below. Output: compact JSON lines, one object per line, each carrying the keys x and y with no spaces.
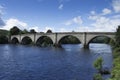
{"x":4,"y":32}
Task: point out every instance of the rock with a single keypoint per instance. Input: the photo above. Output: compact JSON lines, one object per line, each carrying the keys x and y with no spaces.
{"x":105,"y":70}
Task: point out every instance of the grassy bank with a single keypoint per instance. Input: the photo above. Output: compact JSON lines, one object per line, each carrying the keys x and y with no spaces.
{"x":116,"y":64}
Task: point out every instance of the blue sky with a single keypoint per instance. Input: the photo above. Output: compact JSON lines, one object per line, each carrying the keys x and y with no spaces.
{"x":60,"y":15}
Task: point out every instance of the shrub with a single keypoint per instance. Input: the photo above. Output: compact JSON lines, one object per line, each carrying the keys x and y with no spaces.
{"x":98,"y":64}
{"x":97,"y":77}
{"x":116,"y":52}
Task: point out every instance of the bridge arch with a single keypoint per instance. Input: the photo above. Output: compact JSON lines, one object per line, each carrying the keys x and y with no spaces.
{"x":84,"y":37}
{"x":26,"y":40}
{"x":69,"y":39}
{"x":44,"y":41}
{"x":105,"y":36}
{"x":15,"y":40}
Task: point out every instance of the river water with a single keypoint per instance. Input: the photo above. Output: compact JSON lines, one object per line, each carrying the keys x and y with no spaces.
{"x":18,"y":62}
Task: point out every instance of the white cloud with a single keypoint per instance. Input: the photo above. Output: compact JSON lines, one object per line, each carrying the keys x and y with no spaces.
{"x":116,"y":16}
{"x":102,"y":23}
{"x":62,"y":1}
{"x":93,"y":12}
{"x":60,"y":7}
{"x":106,"y":11}
{"x":47,"y":28}
{"x":1,"y":10}
{"x":116,"y":5}
{"x":1,"y":22}
{"x":14,"y":22}
{"x":37,"y":29}
{"x":85,"y":29}
{"x":93,"y":17}
{"x":63,"y":30}
{"x":22,"y":25}
{"x":75,"y":20}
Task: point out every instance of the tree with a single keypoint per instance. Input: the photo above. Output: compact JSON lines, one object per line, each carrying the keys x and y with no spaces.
{"x":26,"y":41}
{"x":14,"y":31}
{"x":49,"y":31}
{"x":118,"y":36}
{"x":97,"y":77}
{"x":3,"y":39}
{"x":32,"y":31}
{"x":116,"y":55}
{"x":98,"y":64}
{"x":69,"y":40}
{"x":24,"y":31}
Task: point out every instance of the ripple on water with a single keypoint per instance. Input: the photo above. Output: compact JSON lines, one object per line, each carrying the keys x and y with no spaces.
{"x":19,"y":62}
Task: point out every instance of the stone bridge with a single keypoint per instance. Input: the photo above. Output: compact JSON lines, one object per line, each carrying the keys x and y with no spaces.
{"x":83,"y":37}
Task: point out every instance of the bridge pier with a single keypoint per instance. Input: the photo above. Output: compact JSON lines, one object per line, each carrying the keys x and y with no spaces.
{"x":86,"y":46}
{"x":57,"y":45}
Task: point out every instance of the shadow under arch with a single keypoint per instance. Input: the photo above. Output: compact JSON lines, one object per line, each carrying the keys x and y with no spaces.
{"x":44,"y":41}
{"x":14,"y":41}
{"x":69,"y":39}
{"x":101,"y":39}
{"x":26,"y":40}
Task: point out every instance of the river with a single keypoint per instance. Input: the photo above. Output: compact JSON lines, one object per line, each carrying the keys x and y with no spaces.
{"x":19,"y":62}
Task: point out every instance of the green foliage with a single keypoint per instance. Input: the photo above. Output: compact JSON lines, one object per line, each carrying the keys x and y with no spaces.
{"x":98,"y":63}
{"x":116,"y":69}
{"x":3,"y":39}
{"x":14,"y":31}
{"x":101,"y":39}
{"x":26,"y":41}
{"x":14,"y":41}
{"x":49,"y":31}
{"x":4,"y":32}
{"x":69,"y":40}
{"x":44,"y":41}
{"x":118,"y":36}
{"x":116,"y":54}
{"x":32,"y":31}
{"x":3,"y":36}
{"x":97,"y":77}
{"x":112,"y":42}
{"x":24,"y":31}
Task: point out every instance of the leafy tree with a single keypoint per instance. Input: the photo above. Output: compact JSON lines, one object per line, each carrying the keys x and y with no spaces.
{"x":49,"y":31}
{"x":4,"y":32}
{"x":32,"y":31}
{"x":69,"y":40}
{"x":97,"y":77}
{"x":101,"y":39}
{"x":118,"y":36}
{"x":98,"y":64}
{"x":116,"y":55}
{"x":14,"y":41}
{"x":26,"y":41}
{"x":14,"y":31}
{"x":44,"y":42}
{"x":3,"y":39}
{"x":24,"y":31}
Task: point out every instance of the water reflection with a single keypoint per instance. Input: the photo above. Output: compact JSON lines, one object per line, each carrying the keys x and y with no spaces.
{"x":19,"y":62}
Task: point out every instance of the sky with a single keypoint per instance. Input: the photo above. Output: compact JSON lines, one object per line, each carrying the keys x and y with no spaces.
{"x":61,"y":15}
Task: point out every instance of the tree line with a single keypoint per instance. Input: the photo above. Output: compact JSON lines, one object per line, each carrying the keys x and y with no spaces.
{"x":5,"y":35}
{"x":115,"y":72}
{"x":15,"y":31}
